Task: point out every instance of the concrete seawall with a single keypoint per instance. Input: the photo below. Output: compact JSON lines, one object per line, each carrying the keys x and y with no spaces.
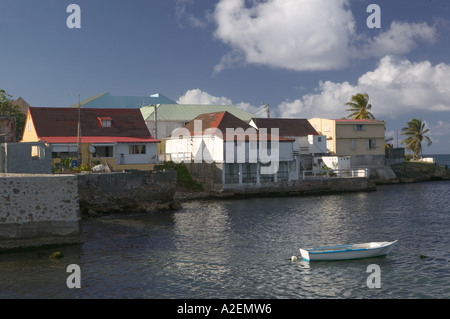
{"x":296,"y":188}
{"x":137,"y":192}
{"x":38,"y":210}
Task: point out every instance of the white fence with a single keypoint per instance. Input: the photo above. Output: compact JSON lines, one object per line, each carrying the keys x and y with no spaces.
{"x":336,"y":173}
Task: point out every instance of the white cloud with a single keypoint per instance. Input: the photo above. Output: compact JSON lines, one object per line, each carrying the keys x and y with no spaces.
{"x":183,"y":16}
{"x":197,"y":96}
{"x":400,"y":38}
{"x":395,"y":87}
{"x":292,"y":34}
{"x":305,"y":35}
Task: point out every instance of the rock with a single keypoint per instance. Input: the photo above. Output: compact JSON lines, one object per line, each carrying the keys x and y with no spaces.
{"x":57,"y":255}
{"x":98,"y":168}
{"x":416,"y":172}
{"x":176,"y":205}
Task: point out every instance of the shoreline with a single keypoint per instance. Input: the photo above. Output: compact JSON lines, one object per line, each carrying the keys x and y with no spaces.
{"x":405,"y":173}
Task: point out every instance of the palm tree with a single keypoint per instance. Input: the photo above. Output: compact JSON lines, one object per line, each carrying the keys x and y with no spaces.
{"x":359,"y":106}
{"x":415,"y":132}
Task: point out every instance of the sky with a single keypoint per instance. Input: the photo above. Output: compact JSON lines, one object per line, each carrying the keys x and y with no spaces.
{"x":304,"y":58}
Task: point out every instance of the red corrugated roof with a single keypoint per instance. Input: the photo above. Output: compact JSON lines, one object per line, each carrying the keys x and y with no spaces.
{"x":60,"y":125}
{"x":96,"y":139}
{"x":224,"y":120}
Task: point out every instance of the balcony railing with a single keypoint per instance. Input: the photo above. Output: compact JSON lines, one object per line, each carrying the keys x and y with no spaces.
{"x":336,"y":173}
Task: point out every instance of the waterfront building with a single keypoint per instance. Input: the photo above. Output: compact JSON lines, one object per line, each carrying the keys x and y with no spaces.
{"x":117,"y":137}
{"x":164,"y":118}
{"x":224,"y":151}
{"x":363,"y":141}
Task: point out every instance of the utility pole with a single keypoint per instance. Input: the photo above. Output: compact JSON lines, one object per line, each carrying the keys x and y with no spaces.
{"x":267,"y":109}
{"x":79,"y":133}
{"x":156,"y":120}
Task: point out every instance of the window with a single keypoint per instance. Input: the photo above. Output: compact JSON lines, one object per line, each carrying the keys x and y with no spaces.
{"x":371,"y":144}
{"x":104,"y":151}
{"x":36,"y":152}
{"x":319,"y":139}
{"x":327,"y":128}
{"x":104,"y":121}
{"x":359,"y":127}
{"x":137,"y":149}
{"x":353,"y":144}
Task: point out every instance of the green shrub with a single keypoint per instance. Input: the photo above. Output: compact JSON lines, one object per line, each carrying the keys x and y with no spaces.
{"x":184,"y":178}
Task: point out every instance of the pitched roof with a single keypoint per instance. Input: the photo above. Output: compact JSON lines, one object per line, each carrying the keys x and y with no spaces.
{"x":60,"y":125}
{"x":287,"y":127}
{"x":22,"y":103}
{"x":187,"y":112}
{"x":106,"y":100}
{"x":221,"y":121}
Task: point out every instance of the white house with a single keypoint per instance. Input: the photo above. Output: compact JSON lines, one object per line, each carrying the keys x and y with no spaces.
{"x":243,"y":154}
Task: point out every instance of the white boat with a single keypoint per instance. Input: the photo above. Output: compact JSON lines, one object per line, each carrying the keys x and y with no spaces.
{"x":350,"y":251}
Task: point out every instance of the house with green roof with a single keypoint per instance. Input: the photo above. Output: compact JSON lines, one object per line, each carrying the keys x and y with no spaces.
{"x":106,"y":100}
{"x":163,"y":119}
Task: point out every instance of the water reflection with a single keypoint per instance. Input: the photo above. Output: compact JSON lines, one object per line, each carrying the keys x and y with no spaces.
{"x":242,"y":249}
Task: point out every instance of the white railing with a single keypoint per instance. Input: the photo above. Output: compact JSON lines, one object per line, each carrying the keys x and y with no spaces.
{"x":336,"y":173}
{"x":177,"y":157}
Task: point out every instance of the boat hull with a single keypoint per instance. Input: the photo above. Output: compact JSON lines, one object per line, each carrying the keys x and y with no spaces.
{"x":345,"y":252}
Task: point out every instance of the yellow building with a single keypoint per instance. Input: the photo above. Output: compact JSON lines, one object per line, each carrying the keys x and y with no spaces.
{"x":352,"y":137}
{"x":117,"y":137}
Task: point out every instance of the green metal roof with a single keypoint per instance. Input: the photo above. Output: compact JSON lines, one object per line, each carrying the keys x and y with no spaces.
{"x":187,"y":112}
{"x":106,"y":100}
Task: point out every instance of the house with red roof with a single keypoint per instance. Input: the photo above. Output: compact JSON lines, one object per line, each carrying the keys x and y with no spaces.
{"x":238,"y":153}
{"x":118,"y":137}
{"x":307,"y":140}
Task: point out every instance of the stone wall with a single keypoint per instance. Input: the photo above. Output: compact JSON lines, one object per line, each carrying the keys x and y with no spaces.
{"x":38,"y":210}
{"x":408,"y":172}
{"x":126,"y":192}
{"x":294,"y":188}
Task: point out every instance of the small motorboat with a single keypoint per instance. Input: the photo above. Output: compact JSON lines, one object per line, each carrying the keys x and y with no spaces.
{"x":350,"y":251}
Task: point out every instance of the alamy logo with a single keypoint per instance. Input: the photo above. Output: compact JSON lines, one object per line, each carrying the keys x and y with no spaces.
{"x":239,"y":146}
{"x":74,"y":19}
{"x":74,"y":279}
{"x":374,"y":279}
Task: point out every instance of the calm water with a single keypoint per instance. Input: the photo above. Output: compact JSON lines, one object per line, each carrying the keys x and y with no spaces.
{"x":242,"y":249}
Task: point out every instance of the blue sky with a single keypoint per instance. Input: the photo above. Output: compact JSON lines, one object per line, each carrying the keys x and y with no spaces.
{"x":305,"y":58}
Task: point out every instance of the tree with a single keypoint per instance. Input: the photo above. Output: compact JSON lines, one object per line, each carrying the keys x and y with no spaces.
{"x":415,"y":132}
{"x":359,"y":106}
{"x":7,"y":108}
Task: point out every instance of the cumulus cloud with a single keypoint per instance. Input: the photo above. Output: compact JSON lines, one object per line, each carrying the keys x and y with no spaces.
{"x":395,"y":87}
{"x":305,"y":35}
{"x":400,"y":38}
{"x":291,"y":34}
{"x":197,"y":96}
